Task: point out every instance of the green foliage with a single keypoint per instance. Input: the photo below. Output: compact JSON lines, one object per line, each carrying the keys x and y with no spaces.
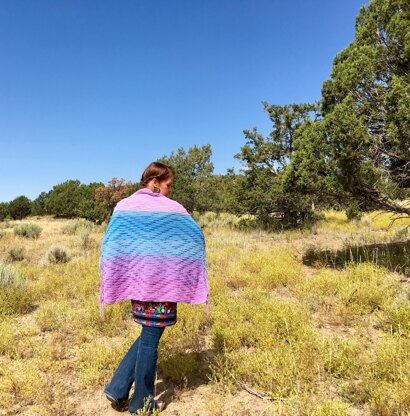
{"x":332,"y":408}
{"x":193,"y":168}
{"x":353,"y":211}
{"x":51,"y":316}
{"x":5,"y":224}
{"x":341,"y":357}
{"x":38,"y":205}
{"x":75,"y":226}
{"x":4,"y":210}
{"x":14,"y":296}
{"x":215,"y":220}
{"x":57,"y":253}
{"x":262,"y":191}
{"x":356,"y":291}
{"x":359,"y":149}
{"x":7,"y":339}
{"x":73,"y":199}
{"x":386,"y":378}
{"x":89,"y":207}
{"x":97,"y":360}
{"x":19,"y":208}
{"x":179,"y":350}
{"x":397,"y":317}
{"x":86,"y":240}
{"x":371,"y":89}
{"x":27,"y":230}
{"x":278,"y":356}
{"x":63,"y":199}
{"x":15,"y":253}
{"x":220,"y":193}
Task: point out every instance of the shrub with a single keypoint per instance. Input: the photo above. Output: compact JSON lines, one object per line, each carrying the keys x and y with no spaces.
{"x":353,"y":212}
{"x":332,"y":408}
{"x":4,"y":210}
{"x":277,"y":357}
{"x":401,"y":232}
{"x":53,"y":316}
{"x":358,"y":290}
{"x":7,"y":339}
{"x":97,"y":360}
{"x":15,"y":253}
{"x":20,"y":382}
{"x":2,"y":234}
{"x":57,"y":253}
{"x":263,"y":268}
{"x":4,"y":225}
{"x":386,"y":378}
{"x":215,"y":220}
{"x":341,"y":357}
{"x":20,"y":207}
{"x":28,"y":230}
{"x":14,"y":296}
{"x":10,"y":277}
{"x":397,"y":317}
{"x":247,"y":224}
{"x":86,"y":241}
{"x":73,"y":226}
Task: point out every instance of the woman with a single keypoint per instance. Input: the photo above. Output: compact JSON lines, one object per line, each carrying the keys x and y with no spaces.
{"x":153,"y":253}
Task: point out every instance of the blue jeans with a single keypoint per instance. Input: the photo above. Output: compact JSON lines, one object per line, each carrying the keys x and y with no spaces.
{"x":138,"y":366}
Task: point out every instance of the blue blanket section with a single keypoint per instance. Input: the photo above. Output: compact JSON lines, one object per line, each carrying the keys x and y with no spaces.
{"x":138,"y":233}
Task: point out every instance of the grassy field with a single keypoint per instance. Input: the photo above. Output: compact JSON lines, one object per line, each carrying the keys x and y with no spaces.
{"x":283,"y":338}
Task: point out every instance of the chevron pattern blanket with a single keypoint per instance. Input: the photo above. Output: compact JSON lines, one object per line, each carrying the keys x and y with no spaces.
{"x":153,"y":250}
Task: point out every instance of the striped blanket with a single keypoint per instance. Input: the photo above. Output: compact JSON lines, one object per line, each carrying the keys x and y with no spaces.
{"x":153,"y":250}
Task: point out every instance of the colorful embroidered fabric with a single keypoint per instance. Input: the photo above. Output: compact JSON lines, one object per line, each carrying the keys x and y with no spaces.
{"x":154,"y":313}
{"x":153,"y":250}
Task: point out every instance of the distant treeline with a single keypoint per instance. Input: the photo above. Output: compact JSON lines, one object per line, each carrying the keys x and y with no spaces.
{"x":350,"y":149}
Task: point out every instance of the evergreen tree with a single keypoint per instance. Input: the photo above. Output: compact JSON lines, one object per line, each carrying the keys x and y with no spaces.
{"x":193,"y":169}
{"x":265,"y":161}
{"x":20,"y":207}
{"x":359,"y":151}
{"x":38,"y":206}
{"x":4,"y":210}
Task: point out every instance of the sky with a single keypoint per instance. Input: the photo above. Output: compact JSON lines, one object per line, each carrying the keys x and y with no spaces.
{"x":96,"y":89}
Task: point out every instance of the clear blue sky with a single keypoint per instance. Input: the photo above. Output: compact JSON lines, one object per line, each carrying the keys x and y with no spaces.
{"x":95,"y":89}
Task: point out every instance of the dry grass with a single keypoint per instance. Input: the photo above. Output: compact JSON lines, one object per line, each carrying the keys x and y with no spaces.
{"x":316,"y":341}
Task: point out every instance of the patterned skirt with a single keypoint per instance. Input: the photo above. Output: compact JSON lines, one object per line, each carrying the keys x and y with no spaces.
{"x":154,"y":313}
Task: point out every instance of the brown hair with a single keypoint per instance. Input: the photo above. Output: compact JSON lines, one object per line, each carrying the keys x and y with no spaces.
{"x":156,"y":170}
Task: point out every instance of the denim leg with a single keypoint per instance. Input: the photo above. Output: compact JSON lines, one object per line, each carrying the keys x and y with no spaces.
{"x":145,"y":367}
{"x":122,"y":380}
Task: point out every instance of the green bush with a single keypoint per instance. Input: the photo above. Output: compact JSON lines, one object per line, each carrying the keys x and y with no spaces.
{"x":75,"y":226}
{"x":4,"y":210}
{"x":57,"y":253}
{"x":248,"y":224}
{"x":14,"y":296}
{"x":28,"y":230}
{"x":215,"y":220}
{"x":353,"y":212}
{"x":15,"y":253}
{"x":4,"y":225}
{"x":332,"y":408}
{"x":19,"y":207}
{"x":401,"y":232}
{"x":86,"y":241}
{"x":281,"y":354}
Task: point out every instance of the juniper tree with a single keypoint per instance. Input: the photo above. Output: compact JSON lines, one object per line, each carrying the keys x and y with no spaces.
{"x":265,"y":160}
{"x":360,"y":149}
